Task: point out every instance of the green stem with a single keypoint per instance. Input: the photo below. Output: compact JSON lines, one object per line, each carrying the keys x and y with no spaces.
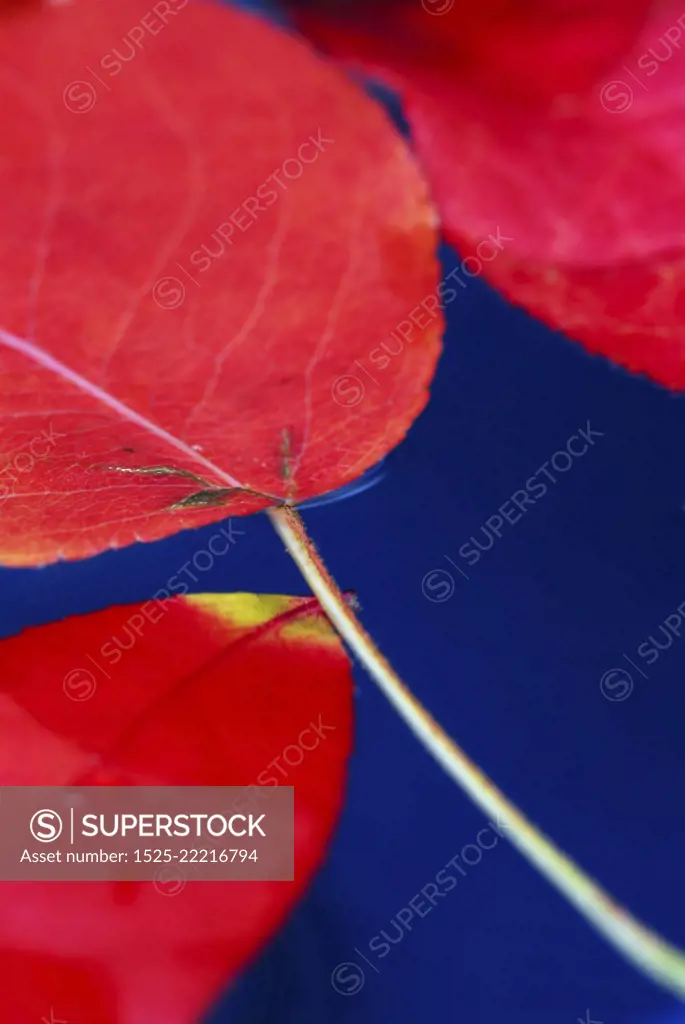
{"x":661,"y":961}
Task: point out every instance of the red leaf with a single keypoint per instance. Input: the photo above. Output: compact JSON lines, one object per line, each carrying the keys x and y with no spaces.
{"x":567,"y":138}
{"x":209,"y":690}
{"x":143,"y":327}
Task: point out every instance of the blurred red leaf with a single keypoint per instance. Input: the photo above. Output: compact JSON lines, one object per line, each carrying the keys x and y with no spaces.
{"x":208,"y":225}
{"x":209,"y":690}
{"x":561,"y":125}
{"x":531,"y":49}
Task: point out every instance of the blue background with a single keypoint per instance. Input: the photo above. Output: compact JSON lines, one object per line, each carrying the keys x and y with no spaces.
{"x":510,"y":664}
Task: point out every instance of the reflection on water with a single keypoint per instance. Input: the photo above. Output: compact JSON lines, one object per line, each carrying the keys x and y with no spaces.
{"x":369,"y":479}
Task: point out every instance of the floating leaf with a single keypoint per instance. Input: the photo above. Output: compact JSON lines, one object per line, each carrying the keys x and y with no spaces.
{"x":209,"y":229}
{"x":560,"y":125}
{"x":214,"y":689}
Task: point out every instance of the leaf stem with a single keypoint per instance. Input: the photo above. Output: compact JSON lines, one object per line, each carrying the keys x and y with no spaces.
{"x":661,"y":961}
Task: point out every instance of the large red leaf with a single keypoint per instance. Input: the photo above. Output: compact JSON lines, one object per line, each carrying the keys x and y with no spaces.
{"x":202,"y":690}
{"x":562,"y":125}
{"x":205,"y":226}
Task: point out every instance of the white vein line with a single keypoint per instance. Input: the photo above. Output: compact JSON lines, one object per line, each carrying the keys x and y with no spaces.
{"x":56,"y":149}
{"x":43,"y":248}
{"x":322,"y":344}
{"x":118,"y":523}
{"x":195,"y":173}
{"x":41,"y":414}
{"x":81,"y":493}
{"x":48,"y":362}
{"x":253,"y":317}
{"x":106,"y":423}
